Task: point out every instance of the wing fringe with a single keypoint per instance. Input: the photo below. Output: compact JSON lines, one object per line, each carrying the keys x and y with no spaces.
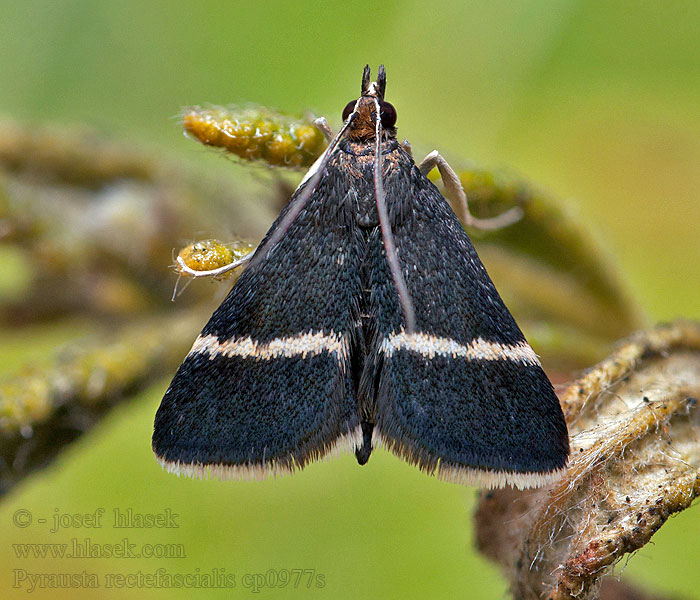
{"x":463,"y":475}
{"x":346,"y":443}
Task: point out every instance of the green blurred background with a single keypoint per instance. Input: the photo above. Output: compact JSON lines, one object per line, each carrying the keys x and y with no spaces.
{"x":597,"y":102}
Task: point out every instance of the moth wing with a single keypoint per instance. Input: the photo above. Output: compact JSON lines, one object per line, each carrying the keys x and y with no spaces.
{"x":267,"y":386}
{"x":464,"y":395}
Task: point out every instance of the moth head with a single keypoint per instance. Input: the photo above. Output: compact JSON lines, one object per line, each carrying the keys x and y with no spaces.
{"x":363,"y":111}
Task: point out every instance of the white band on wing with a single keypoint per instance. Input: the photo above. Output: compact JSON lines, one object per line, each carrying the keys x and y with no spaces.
{"x":304,"y":344}
{"x":430,"y":346}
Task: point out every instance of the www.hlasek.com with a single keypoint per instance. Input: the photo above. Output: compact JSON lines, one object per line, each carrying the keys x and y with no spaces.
{"x":87,"y":548}
{"x":161,"y":578}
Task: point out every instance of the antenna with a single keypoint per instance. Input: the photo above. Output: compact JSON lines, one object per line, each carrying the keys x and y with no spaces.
{"x":392,"y":256}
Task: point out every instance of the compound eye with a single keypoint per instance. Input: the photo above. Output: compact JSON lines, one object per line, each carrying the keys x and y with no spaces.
{"x":348,"y":109}
{"x":388,"y":115}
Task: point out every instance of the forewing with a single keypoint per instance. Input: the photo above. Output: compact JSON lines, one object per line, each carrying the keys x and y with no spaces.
{"x":267,"y":385}
{"x":463,"y":395}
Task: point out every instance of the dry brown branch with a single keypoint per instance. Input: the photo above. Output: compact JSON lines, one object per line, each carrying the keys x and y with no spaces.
{"x":634,"y":423}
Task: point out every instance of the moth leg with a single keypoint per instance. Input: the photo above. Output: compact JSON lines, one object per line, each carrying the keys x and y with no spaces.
{"x":458,"y":198}
{"x":323,"y":126}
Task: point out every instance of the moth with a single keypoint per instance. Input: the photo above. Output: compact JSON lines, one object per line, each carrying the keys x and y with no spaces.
{"x":365,"y":318}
